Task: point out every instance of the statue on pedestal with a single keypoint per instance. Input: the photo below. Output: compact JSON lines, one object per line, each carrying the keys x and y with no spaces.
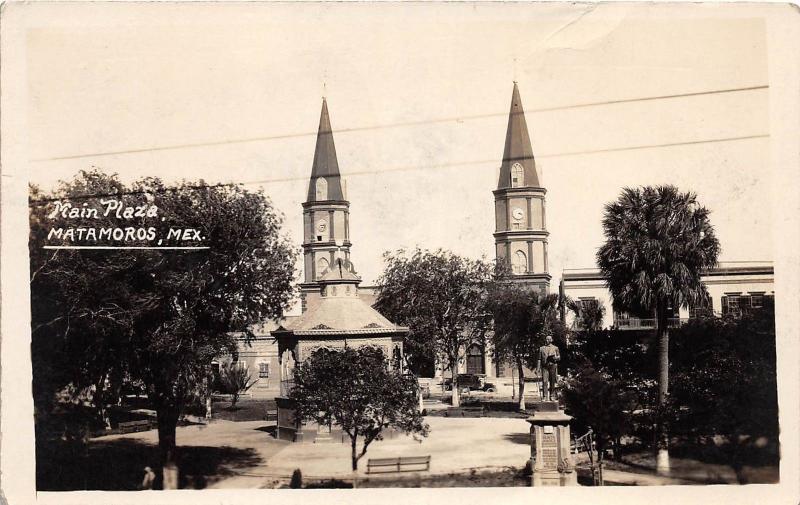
{"x":547,"y":366}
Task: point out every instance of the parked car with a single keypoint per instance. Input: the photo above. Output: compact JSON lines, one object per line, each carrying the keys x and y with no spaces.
{"x":425,"y":390}
{"x":470,"y":382}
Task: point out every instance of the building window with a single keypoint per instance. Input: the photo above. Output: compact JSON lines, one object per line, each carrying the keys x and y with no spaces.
{"x":322,"y":267}
{"x":475,"y":363}
{"x":731,"y":303}
{"x":321,"y":189}
{"x":590,"y":316}
{"x":588,"y":303}
{"x":756,"y":300}
{"x":517,"y":176}
{"x":263,"y":370}
{"x":519,"y":263}
{"x":397,"y":358}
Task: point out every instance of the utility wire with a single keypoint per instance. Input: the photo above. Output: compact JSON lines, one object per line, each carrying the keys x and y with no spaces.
{"x":401,"y":169}
{"x":396,"y":125}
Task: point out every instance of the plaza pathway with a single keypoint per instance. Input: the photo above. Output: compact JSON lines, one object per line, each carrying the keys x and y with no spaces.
{"x":252,"y":437}
{"x":454,"y":444}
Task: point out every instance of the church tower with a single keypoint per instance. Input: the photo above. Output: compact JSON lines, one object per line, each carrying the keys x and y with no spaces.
{"x":326,"y":215}
{"x":519,"y":201}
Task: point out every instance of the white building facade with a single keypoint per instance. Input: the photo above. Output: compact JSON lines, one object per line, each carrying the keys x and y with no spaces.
{"x":732,"y":287}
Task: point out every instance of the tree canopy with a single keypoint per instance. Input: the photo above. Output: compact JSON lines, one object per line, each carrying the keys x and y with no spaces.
{"x":158,"y":316}
{"x":658,"y":242}
{"x":441,"y":297}
{"x":724,"y":385}
{"x":522,"y":317}
{"x":357,"y":390}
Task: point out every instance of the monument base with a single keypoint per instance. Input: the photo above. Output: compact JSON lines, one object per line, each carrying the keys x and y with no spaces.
{"x":551,"y":456}
{"x":554,"y":479}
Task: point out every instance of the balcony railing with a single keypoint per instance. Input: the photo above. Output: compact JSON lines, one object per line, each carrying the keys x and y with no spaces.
{"x":635,"y":323}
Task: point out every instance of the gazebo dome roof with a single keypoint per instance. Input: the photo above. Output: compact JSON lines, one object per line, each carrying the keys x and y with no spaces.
{"x":335,"y":315}
{"x":340,"y":311}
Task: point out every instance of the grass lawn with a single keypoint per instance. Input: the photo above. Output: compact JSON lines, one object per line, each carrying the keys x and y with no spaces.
{"x":510,"y":477}
{"x":247,"y":409}
{"x":692,"y":465}
{"x":492,"y":407}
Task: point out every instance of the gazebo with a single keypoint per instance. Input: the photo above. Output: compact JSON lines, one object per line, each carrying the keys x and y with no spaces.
{"x":340,"y":319}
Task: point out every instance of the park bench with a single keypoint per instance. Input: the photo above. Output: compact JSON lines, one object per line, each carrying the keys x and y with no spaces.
{"x":474,"y":411}
{"x":406,"y":464}
{"x":479,"y":410}
{"x":134,"y":426}
{"x":271,"y":415}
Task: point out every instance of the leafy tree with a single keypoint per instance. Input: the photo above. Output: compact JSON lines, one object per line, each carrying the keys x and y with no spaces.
{"x":356,"y":390}
{"x":235,"y":379}
{"x":658,"y":242}
{"x":600,"y":403}
{"x":441,"y":297}
{"x":620,"y":354}
{"x":153,"y":315}
{"x":522,"y":318}
{"x":724,"y":385}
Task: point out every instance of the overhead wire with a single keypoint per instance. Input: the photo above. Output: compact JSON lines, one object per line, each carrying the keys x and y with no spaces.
{"x":413,"y":123}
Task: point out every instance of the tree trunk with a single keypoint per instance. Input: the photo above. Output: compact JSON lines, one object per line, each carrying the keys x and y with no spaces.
{"x":354,"y":453}
{"x":99,"y":400}
{"x":662,"y":331}
{"x":421,"y":399}
{"x":168,"y":414}
{"x":208,"y":396}
{"x":521,"y":379}
{"x":600,"y":470}
{"x":456,"y":399}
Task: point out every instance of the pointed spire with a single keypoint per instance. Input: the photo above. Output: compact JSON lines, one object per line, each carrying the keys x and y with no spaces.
{"x":325,"y":163}
{"x":518,"y":147}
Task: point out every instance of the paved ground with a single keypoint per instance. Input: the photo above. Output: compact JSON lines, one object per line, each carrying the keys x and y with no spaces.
{"x":456,"y":445}
{"x":248,"y":435}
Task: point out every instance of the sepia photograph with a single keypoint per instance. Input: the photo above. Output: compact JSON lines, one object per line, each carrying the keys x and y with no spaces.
{"x":429,"y":245}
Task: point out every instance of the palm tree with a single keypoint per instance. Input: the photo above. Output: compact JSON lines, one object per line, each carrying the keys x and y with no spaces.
{"x":658,"y":242}
{"x":588,"y":316}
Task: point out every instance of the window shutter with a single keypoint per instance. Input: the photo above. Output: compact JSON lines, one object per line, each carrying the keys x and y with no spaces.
{"x":724,"y":305}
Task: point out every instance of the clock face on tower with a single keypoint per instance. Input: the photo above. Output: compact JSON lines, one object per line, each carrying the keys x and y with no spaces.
{"x":322,"y":225}
{"x":517,"y":214}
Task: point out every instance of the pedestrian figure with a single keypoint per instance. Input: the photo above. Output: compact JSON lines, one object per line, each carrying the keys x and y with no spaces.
{"x":149,"y":478}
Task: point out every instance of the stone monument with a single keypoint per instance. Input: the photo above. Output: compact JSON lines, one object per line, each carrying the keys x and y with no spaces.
{"x":551,"y":456}
{"x":547,"y":367}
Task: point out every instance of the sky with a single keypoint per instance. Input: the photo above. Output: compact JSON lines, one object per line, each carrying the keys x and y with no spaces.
{"x":418,"y":97}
